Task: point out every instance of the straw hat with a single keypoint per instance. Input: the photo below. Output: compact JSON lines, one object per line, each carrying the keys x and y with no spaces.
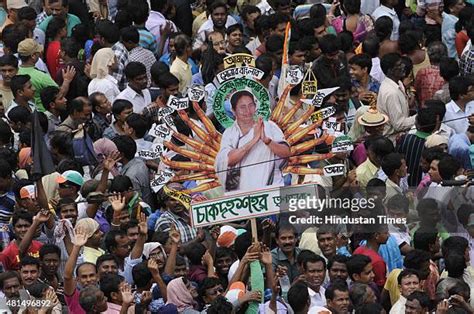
{"x":372,"y":117}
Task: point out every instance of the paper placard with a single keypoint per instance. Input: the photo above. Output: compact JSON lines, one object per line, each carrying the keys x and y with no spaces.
{"x":323,"y":113}
{"x":233,"y":73}
{"x":318,"y":98}
{"x":342,"y":144}
{"x":196,"y":93}
{"x":331,"y":125}
{"x":334,"y":170}
{"x":238,"y":60}
{"x":294,"y":75}
{"x":166,"y":111}
{"x":161,"y":131}
{"x":178,"y":103}
{"x":161,"y":179}
{"x":309,"y":88}
{"x":154,"y":152}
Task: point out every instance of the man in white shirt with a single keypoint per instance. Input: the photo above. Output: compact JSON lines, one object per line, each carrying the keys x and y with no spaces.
{"x":461,"y":90}
{"x":136,"y":91}
{"x":391,"y":100}
{"x":386,"y":8}
{"x":408,"y":282}
{"x":314,"y":267}
{"x":218,"y":20}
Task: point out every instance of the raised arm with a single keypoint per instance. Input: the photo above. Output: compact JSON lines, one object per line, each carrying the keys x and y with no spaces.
{"x":68,"y":76}
{"x":175,"y":237}
{"x":137,"y":249}
{"x":41,"y":217}
{"x":79,"y":242}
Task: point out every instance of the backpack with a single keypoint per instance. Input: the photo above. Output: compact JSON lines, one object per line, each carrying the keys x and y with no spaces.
{"x":83,"y":149}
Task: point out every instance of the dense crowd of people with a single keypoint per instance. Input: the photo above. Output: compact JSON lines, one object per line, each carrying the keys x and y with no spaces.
{"x":86,"y":87}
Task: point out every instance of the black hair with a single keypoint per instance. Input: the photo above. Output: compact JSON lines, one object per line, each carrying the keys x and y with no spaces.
{"x":138,"y":123}
{"x":383,"y":27}
{"x":215,"y":5}
{"x":23,"y":215}
{"x":424,"y":205}
{"x":458,"y":86}
{"x":338,"y":285}
{"x":422,"y":297}
{"x":423,"y":238}
{"x":405,"y":26}
{"x":211,"y":60}
{"x":105,"y":257}
{"x":389,"y":61}
{"x":62,"y":141}
{"x":48,"y":95}
{"x":108,"y":30}
{"x":262,"y":24}
{"x":351,"y":6}
{"x":328,"y":43}
{"x":141,"y":275}
{"x":317,"y":11}
{"x":313,"y":259}
{"x":139,"y":11}
{"x":415,"y":259}
{"x":134,"y":69}
{"x":220,"y":306}
{"x":110,"y":241}
{"x":371,"y":45}
{"x":363,"y":60}
{"x":121,"y":184}
{"x":6,"y":134}
{"x":158,"y":5}
{"x":195,"y":253}
{"x":448,"y":166}
{"x":19,"y":114}
{"x":223,"y":252}
{"x":126,"y":145}
{"x":265,"y":63}
{"x":455,"y":265}
{"x":454,"y":245}
{"x":274,"y":43}
{"x":298,"y":296}
{"x":465,"y":17}
{"x":277,"y":19}
{"x":10,"y":60}
{"x":166,"y":80}
{"x":123,"y":19}
{"x":356,"y":264}
{"x":18,"y":83}
{"x":380,"y":145}
{"x":247,"y":10}
{"x":242,"y":243}
{"x":407,"y":272}
{"x":130,"y":34}
{"x":120,"y":105}
{"x":345,"y":41}
{"x":8,"y":275}
{"x":237,"y":95}
{"x":448,"y":68}
{"x":369,"y":308}
{"x":437,"y":108}
{"x":110,"y":283}
{"x":77,"y":105}
{"x":399,"y":201}
{"x":338,"y":258}
{"x":208,"y":283}
{"x":233,"y":28}
{"x":49,"y":249}
{"x":55,"y":25}
{"x":12,"y":35}
{"x":70,"y":47}
{"x":26,"y":13}
{"x":426,"y":120}
{"x":25,"y":137}
{"x":29,"y":260}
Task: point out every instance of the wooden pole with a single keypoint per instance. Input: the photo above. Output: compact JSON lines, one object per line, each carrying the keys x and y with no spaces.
{"x":253,"y":224}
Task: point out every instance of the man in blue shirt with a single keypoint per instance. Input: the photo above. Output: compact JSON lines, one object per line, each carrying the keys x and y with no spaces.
{"x":459,"y":147}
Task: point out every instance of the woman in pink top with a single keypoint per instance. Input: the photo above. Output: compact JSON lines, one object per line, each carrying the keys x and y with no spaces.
{"x":352,"y":20}
{"x":54,"y":33}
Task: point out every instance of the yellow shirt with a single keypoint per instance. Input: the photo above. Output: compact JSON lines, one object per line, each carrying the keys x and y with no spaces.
{"x":182,"y":71}
{"x":91,"y":255}
{"x":7,"y":96}
{"x":198,"y":21}
{"x":366,"y":171}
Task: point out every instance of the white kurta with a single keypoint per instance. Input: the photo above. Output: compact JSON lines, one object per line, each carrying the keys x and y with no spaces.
{"x":260,"y":173}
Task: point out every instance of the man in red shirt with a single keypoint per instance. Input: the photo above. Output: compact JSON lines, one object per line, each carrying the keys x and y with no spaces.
{"x":374,"y":240}
{"x":24,"y":227}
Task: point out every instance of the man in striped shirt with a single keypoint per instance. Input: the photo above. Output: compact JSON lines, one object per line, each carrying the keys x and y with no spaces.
{"x":412,"y":145}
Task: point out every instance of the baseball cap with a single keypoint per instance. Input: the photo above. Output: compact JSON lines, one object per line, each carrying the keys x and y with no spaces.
{"x":28,"y":191}
{"x":71,"y":176}
{"x":29,"y":46}
{"x":16,"y":4}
